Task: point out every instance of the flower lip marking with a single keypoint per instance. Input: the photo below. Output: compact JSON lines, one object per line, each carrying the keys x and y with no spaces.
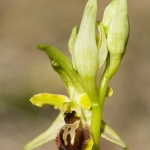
{"x":70,"y":136}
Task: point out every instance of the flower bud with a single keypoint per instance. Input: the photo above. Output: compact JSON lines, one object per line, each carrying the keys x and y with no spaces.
{"x":117,"y":36}
{"x":118,"y":30}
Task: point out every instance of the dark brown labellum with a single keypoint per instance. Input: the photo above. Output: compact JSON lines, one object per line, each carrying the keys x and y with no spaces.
{"x":72,"y":135}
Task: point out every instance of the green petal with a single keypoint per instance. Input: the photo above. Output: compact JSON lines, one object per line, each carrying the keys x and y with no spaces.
{"x":48,"y":135}
{"x":83,"y":101}
{"x":64,"y":63}
{"x":109,"y":134}
{"x":50,"y":99}
{"x":103,"y":51}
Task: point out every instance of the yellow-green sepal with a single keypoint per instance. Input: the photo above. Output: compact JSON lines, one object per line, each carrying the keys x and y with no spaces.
{"x":49,"y":99}
{"x":109,"y":134}
{"x":48,"y":135}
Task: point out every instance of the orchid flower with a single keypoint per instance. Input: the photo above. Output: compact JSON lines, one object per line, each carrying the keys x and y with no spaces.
{"x":79,"y":124}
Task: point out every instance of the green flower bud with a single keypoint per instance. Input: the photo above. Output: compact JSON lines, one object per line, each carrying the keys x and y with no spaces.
{"x":118,"y":30}
{"x":117,"y":36}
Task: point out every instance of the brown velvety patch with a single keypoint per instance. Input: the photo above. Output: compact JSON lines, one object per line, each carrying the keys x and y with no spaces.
{"x":72,"y":130}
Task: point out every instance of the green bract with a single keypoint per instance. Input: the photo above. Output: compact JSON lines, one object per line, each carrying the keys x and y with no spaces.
{"x":79,"y":124}
{"x":85,"y":52}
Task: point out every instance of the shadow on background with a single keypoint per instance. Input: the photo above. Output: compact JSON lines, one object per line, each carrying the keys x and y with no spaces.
{"x":26,"y":71}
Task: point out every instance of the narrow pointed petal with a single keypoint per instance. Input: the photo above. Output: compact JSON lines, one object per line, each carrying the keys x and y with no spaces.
{"x":50,"y":99}
{"x":48,"y":135}
{"x":109,"y":134}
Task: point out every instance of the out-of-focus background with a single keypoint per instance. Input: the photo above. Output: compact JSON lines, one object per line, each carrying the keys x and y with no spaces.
{"x":25,"y":71}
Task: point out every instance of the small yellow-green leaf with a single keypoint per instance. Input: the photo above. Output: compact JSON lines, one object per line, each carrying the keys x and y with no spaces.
{"x":48,"y":135}
{"x":50,"y":99}
{"x":83,"y":101}
{"x":109,"y":134}
{"x":109,"y":92}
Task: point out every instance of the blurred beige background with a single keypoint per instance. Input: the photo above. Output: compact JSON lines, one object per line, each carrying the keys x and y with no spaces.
{"x":25,"y":71}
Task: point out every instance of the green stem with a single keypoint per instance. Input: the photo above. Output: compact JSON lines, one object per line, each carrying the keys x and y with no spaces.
{"x":96,"y":125}
{"x":91,"y":90}
{"x":112,"y":65}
